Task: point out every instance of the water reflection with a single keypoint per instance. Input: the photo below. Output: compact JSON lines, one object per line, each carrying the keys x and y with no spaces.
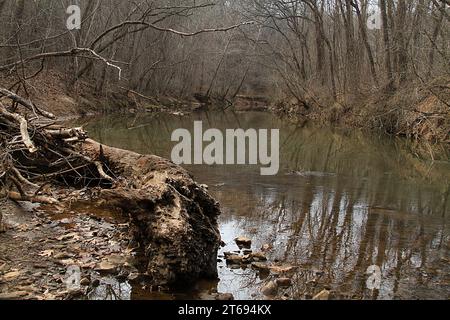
{"x":342,"y":201}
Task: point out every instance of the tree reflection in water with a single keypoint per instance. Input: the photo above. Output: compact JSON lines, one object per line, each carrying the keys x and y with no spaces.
{"x":341,"y":203}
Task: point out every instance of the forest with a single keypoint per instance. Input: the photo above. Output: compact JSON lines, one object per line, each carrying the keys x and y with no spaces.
{"x":91,"y":90}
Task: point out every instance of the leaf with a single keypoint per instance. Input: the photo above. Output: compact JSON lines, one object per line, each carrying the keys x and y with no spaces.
{"x":11,"y":275}
{"x":68,"y":236}
{"x":46,"y":253}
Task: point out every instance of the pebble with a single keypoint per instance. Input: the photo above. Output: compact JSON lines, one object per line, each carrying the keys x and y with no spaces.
{"x":85,"y":282}
{"x":270,"y":289}
{"x":225,"y":297}
{"x":284,"y":282}
{"x":243,"y":242}
{"x":95,"y":283}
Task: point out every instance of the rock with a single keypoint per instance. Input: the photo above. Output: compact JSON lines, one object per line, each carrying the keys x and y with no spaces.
{"x":258,"y":256}
{"x":284,"y":282}
{"x":225,"y":297}
{"x":85,"y":282}
{"x":266,"y":247}
{"x":282,"y":269}
{"x":133,"y":276}
{"x":323,"y":295}
{"x":61,"y":256}
{"x":270,"y":289}
{"x":106,"y":267}
{"x":68,"y":236}
{"x":95,"y":283}
{"x":243,"y":242}
{"x":261,"y":266}
{"x":234,"y":259}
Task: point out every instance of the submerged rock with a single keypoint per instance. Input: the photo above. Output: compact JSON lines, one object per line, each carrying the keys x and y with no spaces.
{"x":234,"y":259}
{"x":85,"y":282}
{"x":270,"y":289}
{"x":243,"y":242}
{"x":258,"y":256}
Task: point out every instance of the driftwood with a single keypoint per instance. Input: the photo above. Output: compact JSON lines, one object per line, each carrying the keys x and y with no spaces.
{"x":173,"y":218}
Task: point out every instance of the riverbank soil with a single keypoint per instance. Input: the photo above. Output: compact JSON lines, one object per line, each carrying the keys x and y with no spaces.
{"x":41,"y":243}
{"x":419,"y":111}
{"x":82,"y":98}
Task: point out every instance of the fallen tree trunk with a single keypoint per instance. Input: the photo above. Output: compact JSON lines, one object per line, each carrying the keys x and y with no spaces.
{"x":173,"y":217}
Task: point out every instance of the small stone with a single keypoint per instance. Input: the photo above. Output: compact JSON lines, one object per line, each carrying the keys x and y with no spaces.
{"x":95,"y":283}
{"x":234,"y":259}
{"x":225,"y":297}
{"x":243,"y":242}
{"x":258,"y":256}
{"x":62,"y":256}
{"x":270,"y":289}
{"x":260,"y":266}
{"x":284,"y":282}
{"x":106,"y":267}
{"x":282,"y":269}
{"x":133,"y":276}
{"x":85,"y":282}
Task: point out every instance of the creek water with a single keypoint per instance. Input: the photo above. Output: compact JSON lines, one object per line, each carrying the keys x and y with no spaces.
{"x":341,"y":202}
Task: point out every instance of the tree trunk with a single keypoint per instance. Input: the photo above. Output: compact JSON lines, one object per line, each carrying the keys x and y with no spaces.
{"x":387,"y":45}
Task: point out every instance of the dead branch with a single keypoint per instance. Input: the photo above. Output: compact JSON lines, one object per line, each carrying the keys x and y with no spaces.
{"x":23,"y":127}
{"x":35,"y":154}
{"x":67,"y":53}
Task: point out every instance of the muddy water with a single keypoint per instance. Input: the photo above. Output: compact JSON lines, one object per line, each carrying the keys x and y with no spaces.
{"x":342,"y":201}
